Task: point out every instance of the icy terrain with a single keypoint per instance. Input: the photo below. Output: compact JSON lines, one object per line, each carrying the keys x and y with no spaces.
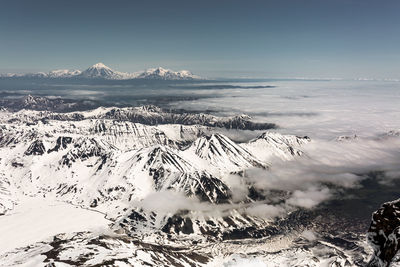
{"x":143,"y":186}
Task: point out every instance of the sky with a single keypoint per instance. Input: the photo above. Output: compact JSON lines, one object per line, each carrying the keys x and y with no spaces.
{"x":281,"y":38}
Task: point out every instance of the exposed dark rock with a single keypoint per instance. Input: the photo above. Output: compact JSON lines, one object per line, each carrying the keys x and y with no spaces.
{"x":36,"y":148}
{"x":17,"y":164}
{"x":384,"y":233}
{"x":178,"y":224}
{"x":62,"y":142}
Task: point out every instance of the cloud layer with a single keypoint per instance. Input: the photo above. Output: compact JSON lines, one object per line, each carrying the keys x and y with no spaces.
{"x":327,"y":168}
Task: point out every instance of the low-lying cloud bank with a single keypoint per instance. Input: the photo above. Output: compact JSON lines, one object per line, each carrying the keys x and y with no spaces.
{"x":304,"y":182}
{"x":323,"y":109}
{"x":327,"y":167}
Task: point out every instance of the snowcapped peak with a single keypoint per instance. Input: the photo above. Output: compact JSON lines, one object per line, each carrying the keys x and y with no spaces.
{"x":99,"y":70}
{"x":274,"y":144}
{"x":162,"y":157}
{"x":161,"y":69}
{"x":223,"y":153}
{"x":158,"y":70}
{"x":100,"y":65}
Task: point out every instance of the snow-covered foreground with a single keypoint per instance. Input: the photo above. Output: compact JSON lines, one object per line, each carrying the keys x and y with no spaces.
{"x":39,"y":219}
{"x":111,"y":187}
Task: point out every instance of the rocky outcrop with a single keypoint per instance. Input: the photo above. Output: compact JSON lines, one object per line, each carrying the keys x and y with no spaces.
{"x":61,"y":143}
{"x":36,"y":148}
{"x":384,"y":234}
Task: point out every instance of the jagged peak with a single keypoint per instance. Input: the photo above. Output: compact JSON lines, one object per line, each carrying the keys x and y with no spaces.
{"x":224,"y":153}
{"x":161,"y":156}
{"x":150,"y":108}
{"x":87,"y":147}
{"x":216,"y":138}
{"x":216,"y":144}
{"x":278,"y":136}
{"x":270,"y":144}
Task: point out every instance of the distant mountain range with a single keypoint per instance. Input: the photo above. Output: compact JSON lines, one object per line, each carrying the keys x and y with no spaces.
{"x":101,"y":71}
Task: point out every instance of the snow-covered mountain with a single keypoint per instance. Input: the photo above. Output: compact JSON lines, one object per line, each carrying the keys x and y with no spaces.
{"x":166,"y":74}
{"x":103,"y":160}
{"x":270,"y":144}
{"x":117,"y":150}
{"x":55,"y":108}
{"x":162,"y":189}
{"x":224,"y":154}
{"x":101,"y":71}
{"x":63,"y":73}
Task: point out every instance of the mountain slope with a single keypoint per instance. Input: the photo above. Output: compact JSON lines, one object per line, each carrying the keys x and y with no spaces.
{"x":168,"y":171}
{"x":224,"y":154}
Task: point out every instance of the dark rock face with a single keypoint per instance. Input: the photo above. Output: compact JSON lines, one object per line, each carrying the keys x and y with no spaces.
{"x":212,"y":189}
{"x":36,"y":148}
{"x":86,"y":148}
{"x":384,"y":233}
{"x":62,"y":143}
{"x":178,"y":224}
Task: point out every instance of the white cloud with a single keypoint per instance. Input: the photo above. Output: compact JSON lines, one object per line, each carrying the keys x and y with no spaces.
{"x":309,"y":235}
{"x":309,"y":198}
{"x":265,"y":210}
{"x":334,"y":107}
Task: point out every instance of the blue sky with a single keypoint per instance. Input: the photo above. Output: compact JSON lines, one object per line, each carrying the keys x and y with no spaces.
{"x":220,"y":38}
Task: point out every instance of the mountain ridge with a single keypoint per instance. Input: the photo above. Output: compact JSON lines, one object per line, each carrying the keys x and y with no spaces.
{"x":101,"y":71}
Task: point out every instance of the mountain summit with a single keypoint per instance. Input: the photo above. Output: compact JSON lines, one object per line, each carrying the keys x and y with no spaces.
{"x":100,"y":70}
